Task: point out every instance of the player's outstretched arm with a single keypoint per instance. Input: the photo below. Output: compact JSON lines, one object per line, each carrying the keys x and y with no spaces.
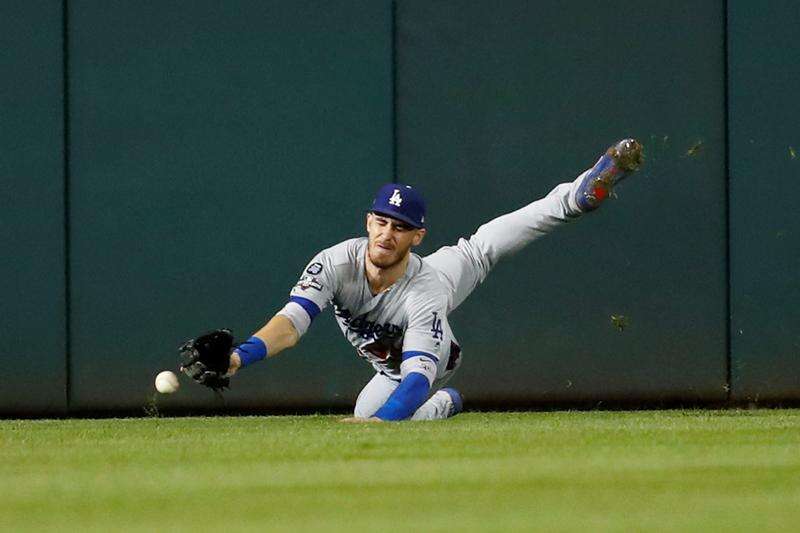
{"x":277,"y":335}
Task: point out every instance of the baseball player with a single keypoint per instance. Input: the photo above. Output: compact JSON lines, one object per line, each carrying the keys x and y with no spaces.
{"x":392,"y":305}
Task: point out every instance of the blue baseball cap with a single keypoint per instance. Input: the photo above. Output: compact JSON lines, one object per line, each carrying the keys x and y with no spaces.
{"x":402,"y":202}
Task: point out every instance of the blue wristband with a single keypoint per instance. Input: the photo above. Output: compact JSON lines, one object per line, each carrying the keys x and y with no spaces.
{"x":251,"y":350}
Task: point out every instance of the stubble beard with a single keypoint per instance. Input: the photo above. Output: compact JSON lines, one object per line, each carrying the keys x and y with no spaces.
{"x":384,"y":261}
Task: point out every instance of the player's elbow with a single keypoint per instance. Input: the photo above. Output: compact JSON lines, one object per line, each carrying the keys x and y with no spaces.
{"x":289,"y":336}
{"x":292,"y":336}
{"x":278,"y":334}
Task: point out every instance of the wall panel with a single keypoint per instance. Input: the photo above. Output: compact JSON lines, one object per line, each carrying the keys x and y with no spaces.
{"x":500,"y":102}
{"x":32,"y":323}
{"x":216,"y":148}
{"x":765,"y":169}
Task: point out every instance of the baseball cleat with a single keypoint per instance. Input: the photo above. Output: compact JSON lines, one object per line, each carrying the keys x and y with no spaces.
{"x":456,"y":399}
{"x":619,"y":160}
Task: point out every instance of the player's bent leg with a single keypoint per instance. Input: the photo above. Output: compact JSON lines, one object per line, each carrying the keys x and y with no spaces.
{"x":444,"y":403}
{"x":374,"y":395}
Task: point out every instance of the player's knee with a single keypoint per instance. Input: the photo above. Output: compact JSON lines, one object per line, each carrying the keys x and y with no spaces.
{"x":367,"y":403}
{"x":364,"y":411}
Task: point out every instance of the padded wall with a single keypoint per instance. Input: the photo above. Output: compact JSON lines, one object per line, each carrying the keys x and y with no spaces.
{"x":500,"y":102}
{"x":216,"y":148}
{"x":765,"y":170}
{"x":33,"y":324}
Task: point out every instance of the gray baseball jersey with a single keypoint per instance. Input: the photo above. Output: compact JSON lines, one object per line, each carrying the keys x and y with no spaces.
{"x":410,"y":318}
{"x":406,"y":321}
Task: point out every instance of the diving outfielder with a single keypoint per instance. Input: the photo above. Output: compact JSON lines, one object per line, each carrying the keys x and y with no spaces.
{"x":392,"y":305}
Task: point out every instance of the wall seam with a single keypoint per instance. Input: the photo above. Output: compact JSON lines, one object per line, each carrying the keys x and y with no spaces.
{"x":726,"y":121}
{"x":393,"y":37}
{"x":66,"y":173}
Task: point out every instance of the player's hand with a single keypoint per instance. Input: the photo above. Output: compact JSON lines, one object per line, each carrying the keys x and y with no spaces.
{"x":359,"y":420}
{"x":234,"y":365}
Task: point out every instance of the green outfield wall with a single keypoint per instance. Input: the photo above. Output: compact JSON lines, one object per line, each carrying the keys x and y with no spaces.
{"x":503,"y":102}
{"x":764,"y":85}
{"x":216,"y":148}
{"x":211,"y":149}
{"x":32,"y":278}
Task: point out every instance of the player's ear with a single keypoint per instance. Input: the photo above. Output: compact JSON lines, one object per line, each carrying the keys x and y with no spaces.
{"x":369,"y":217}
{"x":418,"y":236}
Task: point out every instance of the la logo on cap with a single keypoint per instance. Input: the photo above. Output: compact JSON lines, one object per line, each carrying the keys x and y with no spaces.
{"x":396,"y":199}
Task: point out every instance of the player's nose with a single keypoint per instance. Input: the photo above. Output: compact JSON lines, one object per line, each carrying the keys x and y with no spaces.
{"x":386,"y":232}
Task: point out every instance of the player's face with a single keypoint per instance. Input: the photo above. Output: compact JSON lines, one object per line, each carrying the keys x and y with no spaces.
{"x":390,"y":240}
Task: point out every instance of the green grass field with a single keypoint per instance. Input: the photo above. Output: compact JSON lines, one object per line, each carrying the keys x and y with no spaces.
{"x":664,"y":470}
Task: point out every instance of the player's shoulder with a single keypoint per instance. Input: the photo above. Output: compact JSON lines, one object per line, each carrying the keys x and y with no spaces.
{"x":345,"y":252}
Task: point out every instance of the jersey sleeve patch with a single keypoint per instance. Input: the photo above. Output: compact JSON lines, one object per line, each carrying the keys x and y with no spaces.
{"x":314,"y":289}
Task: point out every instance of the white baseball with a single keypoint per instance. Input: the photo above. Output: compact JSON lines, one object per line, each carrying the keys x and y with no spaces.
{"x":167,"y":382}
